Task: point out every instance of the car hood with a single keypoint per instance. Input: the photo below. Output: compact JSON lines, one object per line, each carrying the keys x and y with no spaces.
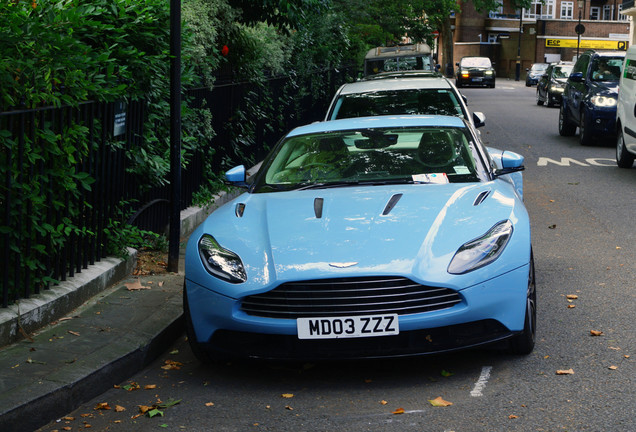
{"x":607,"y":88}
{"x":412,"y":231}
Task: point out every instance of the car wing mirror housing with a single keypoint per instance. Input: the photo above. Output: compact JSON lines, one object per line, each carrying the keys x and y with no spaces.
{"x":236,"y":176}
{"x":479,"y":119}
{"x":577,"y":77}
{"x":511,"y":162}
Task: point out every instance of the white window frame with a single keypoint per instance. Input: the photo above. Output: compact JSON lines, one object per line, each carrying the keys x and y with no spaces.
{"x":540,"y":10}
{"x":595,"y":13}
{"x":497,"y":12}
{"x":620,"y":16}
{"x":608,"y":12}
{"x":567,"y":10}
{"x":492,"y":37}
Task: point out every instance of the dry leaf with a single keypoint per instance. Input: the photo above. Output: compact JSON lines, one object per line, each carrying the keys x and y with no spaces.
{"x":398,"y":411}
{"x":209,"y":404}
{"x":571,"y":306}
{"x":135,"y":286}
{"x":596,"y":332}
{"x":439,"y":402}
{"x":512,"y":416}
{"x":150,"y":386}
{"x":287,"y":395}
{"x":383,"y":402}
{"x":67,"y":428}
{"x":565,"y":372}
{"x":171,"y":364}
{"x":626,"y":356}
{"x":144,"y":408}
{"x":87,"y":426}
{"x":102,"y":406}
{"x":288,"y":408}
{"x":73,"y":333}
{"x":571,"y":296}
{"x":160,"y":284}
{"x":613,"y":367}
{"x":119,"y":408}
{"x":68,"y":418}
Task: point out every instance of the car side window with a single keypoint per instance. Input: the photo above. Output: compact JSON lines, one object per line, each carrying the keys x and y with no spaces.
{"x":582,"y":64}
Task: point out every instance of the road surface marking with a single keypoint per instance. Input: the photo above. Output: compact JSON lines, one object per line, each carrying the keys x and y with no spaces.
{"x":481,"y":382}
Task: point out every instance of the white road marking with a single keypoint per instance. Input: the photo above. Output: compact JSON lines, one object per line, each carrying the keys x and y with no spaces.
{"x":565,"y":161}
{"x":481,"y":382}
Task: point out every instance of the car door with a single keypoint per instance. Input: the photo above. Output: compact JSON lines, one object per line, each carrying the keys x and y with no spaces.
{"x":627,"y":104}
{"x":577,"y":88}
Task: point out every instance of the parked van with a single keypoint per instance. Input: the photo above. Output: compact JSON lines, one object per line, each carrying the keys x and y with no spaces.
{"x":626,"y":112}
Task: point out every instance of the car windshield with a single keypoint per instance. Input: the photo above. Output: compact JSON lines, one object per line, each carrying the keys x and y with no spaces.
{"x":538,"y":67}
{"x":475,"y":62}
{"x":607,"y":68}
{"x":561,"y":71}
{"x":371,"y":157}
{"x":424,"y":101}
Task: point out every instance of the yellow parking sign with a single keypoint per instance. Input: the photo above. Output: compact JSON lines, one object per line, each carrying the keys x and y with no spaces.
{"x":587,"y":44}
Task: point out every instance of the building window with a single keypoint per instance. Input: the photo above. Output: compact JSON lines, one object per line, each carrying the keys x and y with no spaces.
{"x":492,"y":37}
{"x":622,"y":17}
{"x":540,"y":9}
{"x":567,"y":10}
{"x":607,"y":12}
{"x":595,"y":13}
{"x":497,"y":13}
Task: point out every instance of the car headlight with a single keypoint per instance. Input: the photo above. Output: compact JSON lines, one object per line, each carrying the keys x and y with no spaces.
{"x":557,"y":89}
{"x":465,"y":74}
{"x":603,"y":101}
{"x":221,"y":262}
{"x":481,"y":251}
{"x":488,"y":72}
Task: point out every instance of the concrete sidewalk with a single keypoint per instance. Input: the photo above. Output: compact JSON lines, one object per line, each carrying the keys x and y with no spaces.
{"x":122,"y":323}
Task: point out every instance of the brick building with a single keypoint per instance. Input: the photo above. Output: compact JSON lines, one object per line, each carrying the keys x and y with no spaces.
{"x":545,"y":33}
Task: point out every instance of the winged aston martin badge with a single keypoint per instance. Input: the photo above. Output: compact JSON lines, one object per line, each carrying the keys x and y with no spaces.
{"x":343,"y":265}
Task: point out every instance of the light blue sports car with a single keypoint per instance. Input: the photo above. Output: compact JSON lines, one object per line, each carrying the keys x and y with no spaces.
{"x":364,"y":238}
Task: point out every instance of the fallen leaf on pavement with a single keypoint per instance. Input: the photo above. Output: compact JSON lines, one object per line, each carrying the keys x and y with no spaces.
{"x":383,"y":402}
{"x":150,"y":386}
{"x":398,"y":411}
{"x":171,"y":364}
{"x":571,"y":297}
{"x":288,"y":408}
{"x":209,"y":404}
{"x":102,"y":406}
{"x":74,"y":333}
{"x":565,"y":372}
{"x":596,"y":333}
{"x":135,"y":286}
{"x":287,"y":395}
{"x":439,"y":402}
{"x":119,"y":408}
{"x":613,"y":367}
{"x":512,"y":416}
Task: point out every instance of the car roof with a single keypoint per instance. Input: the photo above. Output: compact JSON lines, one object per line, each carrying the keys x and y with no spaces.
{"x":608,"y":53}
{"x":395,"y":84}
{"x":419,"y":73}
{"x":379,"y":122}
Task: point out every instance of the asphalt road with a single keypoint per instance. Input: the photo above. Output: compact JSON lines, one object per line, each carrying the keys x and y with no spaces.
{"x":582,"y":212}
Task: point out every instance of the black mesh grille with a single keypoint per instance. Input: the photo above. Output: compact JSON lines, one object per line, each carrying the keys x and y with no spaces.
{"x":351,"y":296}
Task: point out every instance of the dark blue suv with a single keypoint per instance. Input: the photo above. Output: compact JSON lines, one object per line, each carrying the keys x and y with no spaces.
{"x":589,"y":98}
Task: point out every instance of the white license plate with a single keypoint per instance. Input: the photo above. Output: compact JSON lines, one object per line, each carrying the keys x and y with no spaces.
{"x":347,"y":327}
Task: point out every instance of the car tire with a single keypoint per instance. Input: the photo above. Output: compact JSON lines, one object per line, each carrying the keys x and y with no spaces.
{"x":624,"y":159}
{"x":539,"y":101}
{"x":523,"y":343}
{"x":566,"y":127}
{"x":199,"y":352}
{"x":585,"y":138}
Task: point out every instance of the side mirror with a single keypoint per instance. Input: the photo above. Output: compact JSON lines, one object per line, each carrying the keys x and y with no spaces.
{"x":511,"y":162}
{"x":457,"y":64}
{"x":236,"y":176}
{"x":527,"y":69}
{"x":577,"y":77}
{"x":479,"y":119}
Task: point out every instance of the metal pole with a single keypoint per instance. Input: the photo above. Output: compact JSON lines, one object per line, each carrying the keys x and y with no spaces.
{"x":578,"y":42}
{"x":518,"y":66}
{"x":175,"y":136}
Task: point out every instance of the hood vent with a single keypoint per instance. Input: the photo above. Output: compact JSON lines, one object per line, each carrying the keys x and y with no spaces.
{"x":392,"y":203}
{"x":481,"y":197}
{"x":239,"y":210}
{"x":318,"y":207}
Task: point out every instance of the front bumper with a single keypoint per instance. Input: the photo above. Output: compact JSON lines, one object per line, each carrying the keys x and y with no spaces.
{"x":489,"y":312}
{"x":477,"y":81}
{"x":601,"y":121}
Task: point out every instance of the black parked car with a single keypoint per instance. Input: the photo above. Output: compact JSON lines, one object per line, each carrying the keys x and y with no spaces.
{"x":552,"y":83}
{"x":533,"y":74}
{"x":589,"y":98}
{"x":477,"y":71}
